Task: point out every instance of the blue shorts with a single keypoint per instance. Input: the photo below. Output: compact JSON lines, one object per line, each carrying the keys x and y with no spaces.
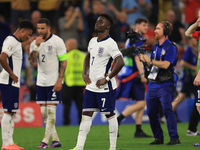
{"x":10,"y":97}
{"x":46,"y":95}
{"x":103,"y":102}
{"x":133,"y":88}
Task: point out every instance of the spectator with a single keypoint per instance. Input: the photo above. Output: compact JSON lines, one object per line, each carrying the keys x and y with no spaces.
{"x":4,"y":30}
{"x":71,"y":24}
{"x":133,"y":10}
{"x":35,"y":17}
{"x":49,"y":10}
{"x":178,"y":32}
{"x":20,"y":9}
{"x":73,"y":87}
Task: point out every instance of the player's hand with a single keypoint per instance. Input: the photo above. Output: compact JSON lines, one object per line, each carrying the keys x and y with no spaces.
{"x":198,"y":108}
{"x":197,"y":80}
{"x":86,"y":78}
{"x":39,"y":40}
{"x":58,"y":86}
{"x":14,"y":78}
{"x":101,"y":82}
{"x":30,"y":40}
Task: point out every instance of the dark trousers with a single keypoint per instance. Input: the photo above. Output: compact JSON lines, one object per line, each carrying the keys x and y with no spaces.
{"x":194,"y":117}
{"x":165,"y":96}
{"x":69,"y":94}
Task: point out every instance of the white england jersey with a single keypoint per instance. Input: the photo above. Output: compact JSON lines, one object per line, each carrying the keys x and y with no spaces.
{"x":13,"y":48}
{"x":102,"y":54}
{"x":48,"y":62}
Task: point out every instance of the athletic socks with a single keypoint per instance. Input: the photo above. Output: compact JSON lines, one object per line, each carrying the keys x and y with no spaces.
{"x":50,"y":123}
{"x":6,"y":129}
{"x":83,"y":131}
{"x":120,"y":118}
{"x":113,"y":128}
{"x":138,"y":128}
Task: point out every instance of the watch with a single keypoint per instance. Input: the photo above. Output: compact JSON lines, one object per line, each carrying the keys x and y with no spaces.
{"x":151,"y":62}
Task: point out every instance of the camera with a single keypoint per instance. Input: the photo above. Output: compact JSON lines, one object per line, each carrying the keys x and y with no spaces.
{"x":134,"y":36}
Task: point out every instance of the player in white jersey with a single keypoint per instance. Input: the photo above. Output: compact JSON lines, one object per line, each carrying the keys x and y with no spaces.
{"x":101,"y":85}
{"x":49,"y":50}
{"x":11,"y":61}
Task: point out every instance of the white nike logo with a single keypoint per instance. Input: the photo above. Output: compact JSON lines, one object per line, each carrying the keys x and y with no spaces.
{"x":53,"y":98}
{"x":103,"y":109}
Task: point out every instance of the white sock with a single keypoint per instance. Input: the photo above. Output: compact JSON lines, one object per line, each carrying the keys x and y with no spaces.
{"x":50,"y":123}
{"x":11,"y":142}
{"x":113,"y":128}
{"x":44,"y":113}
{"x":54,"y":134}
{"x":83,"y":131}
{"x":6,"y":128}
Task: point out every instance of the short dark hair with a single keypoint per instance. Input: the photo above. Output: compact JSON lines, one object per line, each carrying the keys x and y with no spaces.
{"x":44,"y":20}
{"x":26,"y":24}
{"x":140,"y":20}
{"x":110,"y":18}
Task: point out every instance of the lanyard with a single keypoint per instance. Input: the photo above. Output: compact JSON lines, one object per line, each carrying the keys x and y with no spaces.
{"x":160,"y":53}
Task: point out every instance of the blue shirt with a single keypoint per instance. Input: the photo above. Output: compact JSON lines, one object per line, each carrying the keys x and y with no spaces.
{"x":130,"y":4}
{"x":167,"y":55}
{"x":189,"y":57}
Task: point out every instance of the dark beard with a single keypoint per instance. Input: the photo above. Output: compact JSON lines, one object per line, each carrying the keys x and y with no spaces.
{"x":97,"y":31}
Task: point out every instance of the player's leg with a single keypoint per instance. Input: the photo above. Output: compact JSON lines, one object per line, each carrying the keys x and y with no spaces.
{"x":113,"y":128}
{"x":106,"y":102}
{"x":89,"y":106}
{"x":194,"y":116}
{"x":10,"y":106}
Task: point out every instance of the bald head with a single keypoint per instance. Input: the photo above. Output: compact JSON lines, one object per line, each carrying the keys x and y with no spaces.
{"x":35,"y":17}
{"x":71,"y":44}
{"x":170,"y":16}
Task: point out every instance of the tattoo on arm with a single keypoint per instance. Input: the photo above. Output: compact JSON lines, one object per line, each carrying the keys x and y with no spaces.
{"x":62,"y":69}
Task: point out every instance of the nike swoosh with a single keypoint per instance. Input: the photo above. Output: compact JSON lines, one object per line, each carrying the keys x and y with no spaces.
{"x":103,"y":109}
{"x":53,"y":98}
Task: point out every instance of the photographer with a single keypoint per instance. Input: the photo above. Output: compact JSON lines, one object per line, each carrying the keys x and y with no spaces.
{"x":161,"y":64}
{"x":132,"y":85}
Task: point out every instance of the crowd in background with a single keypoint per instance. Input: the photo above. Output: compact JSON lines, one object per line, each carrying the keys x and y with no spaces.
{"x":76,"y":19}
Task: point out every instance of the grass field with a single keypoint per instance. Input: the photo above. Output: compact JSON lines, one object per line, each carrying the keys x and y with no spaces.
{"x":98,"y":138}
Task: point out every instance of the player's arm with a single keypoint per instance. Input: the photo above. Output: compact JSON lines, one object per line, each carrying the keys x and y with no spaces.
{"x":4,"y":63}
{"x":118,"y":66}
{"x":29,"y":41}
{"x":86,"y":66}
{"x":192,"y":28}
{"x":63,"y":64}
{"x":34,"y":54}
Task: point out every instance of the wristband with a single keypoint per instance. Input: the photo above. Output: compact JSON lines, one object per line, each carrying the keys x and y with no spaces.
{"x":35,"y":48}
{"x":150,"y":62}
{"x":107,"y":78}
{"x":141,"y":73}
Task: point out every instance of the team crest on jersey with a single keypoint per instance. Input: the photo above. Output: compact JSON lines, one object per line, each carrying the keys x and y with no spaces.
{"x":9,"y":48}
{"x":49,"y":48}
{"x":163,"y":52}
{"x":15,"y":105}
{"x":100,"y":51}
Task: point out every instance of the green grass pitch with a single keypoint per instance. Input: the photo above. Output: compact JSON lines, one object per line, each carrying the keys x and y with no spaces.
{"x":98,"y":138}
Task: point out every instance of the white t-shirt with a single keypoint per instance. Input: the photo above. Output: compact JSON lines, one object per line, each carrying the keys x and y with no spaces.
{"x":13,"y":48}
{"x":48,"y":62}
{"x":102,"y":55}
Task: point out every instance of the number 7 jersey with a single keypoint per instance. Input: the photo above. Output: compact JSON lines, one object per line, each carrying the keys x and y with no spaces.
{"x":102,"y":54}
{"x":48,"y":62}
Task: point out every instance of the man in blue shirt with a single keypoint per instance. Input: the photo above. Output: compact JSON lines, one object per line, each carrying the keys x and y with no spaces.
{"x":161,"y":64}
